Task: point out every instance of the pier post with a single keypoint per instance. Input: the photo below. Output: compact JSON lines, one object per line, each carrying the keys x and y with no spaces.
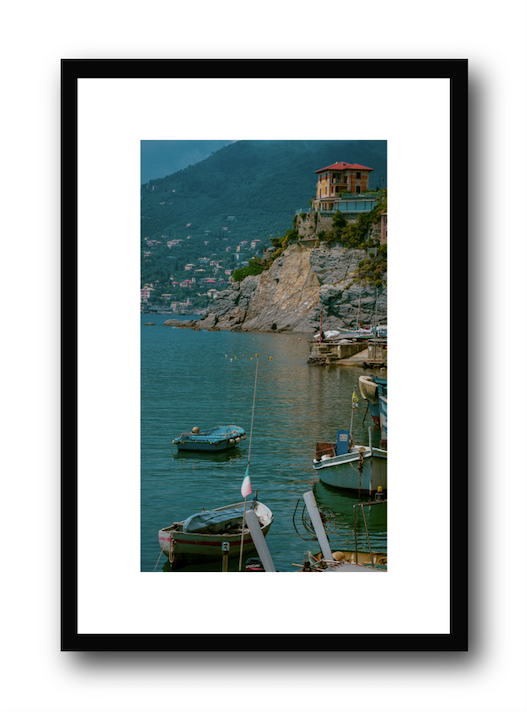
{"x":225,"y":546}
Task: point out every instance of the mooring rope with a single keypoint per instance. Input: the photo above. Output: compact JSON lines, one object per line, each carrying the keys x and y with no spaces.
{"x":157,"y":562}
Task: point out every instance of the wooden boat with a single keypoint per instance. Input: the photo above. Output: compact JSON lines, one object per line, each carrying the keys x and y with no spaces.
{"x":383,"y":410}
{"x":358,"y":468}
{"x":346,"y":560}
{"x":370,"y":389}
{"x":200,"y":537}
{"x":352,"y":560}
{"x":221,"y":437}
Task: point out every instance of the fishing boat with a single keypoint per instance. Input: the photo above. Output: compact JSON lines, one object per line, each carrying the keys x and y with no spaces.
{"x":200,"y":538}
{"x":383,"y":410}
{"x":358,"y":468}
{"x":221,"y":437}
{"x":370,"y":389}
{"x":347,"y":560}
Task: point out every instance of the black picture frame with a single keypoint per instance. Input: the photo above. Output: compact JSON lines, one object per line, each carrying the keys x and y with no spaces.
{"x":456,"y":71}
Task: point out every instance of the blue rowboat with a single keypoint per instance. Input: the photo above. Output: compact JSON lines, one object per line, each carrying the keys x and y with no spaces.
{"x":222,"y":437}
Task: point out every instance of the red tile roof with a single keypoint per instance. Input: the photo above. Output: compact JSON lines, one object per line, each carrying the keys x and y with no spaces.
{"x":342,"y":166}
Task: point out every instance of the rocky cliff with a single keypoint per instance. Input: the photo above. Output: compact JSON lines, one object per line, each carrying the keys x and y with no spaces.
{"x":303,"y":283}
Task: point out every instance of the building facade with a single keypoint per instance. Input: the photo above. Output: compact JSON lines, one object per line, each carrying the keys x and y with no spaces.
{"x":340,"y":182}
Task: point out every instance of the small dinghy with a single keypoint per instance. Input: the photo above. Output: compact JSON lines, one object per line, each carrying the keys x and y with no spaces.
{"x":200,"y":537}
{"x":222,"y":437}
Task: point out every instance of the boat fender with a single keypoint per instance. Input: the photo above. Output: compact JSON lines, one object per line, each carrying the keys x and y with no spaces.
{"x":231,"y":441}
{"x":237,"y":440}
{"x":338,"y":555}
{"x":195,"y":430}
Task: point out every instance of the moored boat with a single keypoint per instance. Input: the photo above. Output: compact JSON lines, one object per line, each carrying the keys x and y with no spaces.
{"x":358,"y":468}
{"x":200,"y":537}
{"x":346,"y":560}
{"x":383,"y":411}
{"x":221,"y":437}
{"x":370,"y":389}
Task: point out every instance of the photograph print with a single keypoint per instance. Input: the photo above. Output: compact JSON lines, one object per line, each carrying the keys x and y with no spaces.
{"x":264,"y":356}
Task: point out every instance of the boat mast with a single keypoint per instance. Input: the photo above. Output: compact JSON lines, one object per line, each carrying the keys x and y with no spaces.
{"x":248,"y":463}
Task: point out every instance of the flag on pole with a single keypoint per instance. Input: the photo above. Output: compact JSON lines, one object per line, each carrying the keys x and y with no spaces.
{"x":246,"y":484}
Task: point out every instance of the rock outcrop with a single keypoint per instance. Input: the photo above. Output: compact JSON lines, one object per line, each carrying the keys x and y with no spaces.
{"x":304,"y":283}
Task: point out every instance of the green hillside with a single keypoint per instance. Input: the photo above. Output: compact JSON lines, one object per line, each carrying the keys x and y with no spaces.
{"x":245,"y":191}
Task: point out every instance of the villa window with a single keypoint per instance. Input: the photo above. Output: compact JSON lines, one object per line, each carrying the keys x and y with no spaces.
{"x":358,"y":176}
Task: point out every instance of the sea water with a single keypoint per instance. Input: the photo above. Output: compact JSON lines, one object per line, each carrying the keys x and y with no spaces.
{"x":206,"y":378}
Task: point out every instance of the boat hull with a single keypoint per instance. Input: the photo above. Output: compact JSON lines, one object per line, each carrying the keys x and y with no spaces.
{"x":217,"y":439}
{"x":206,"y":447}
{"x":383,"y":410}
{"x":361,"y":472}
{"x":186,"y":548}
{"x":371,"y":391}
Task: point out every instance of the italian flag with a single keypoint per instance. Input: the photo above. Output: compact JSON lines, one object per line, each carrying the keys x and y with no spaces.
{"x":246,"y":484}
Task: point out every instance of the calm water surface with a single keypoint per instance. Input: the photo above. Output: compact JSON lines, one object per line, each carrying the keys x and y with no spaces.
{"x":206,"y":378}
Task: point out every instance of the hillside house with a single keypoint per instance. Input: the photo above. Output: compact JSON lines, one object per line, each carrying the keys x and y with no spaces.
{"x":342,"y":186}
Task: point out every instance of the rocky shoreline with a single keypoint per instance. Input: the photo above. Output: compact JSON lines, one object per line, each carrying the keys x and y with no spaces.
{"x":301,"y":286}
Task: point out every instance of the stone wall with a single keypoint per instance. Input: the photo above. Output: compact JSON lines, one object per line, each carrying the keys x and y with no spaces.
{"x":307,"y":229}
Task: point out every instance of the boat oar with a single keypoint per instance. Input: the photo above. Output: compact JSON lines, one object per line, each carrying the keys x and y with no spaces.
{"x":309,"y":499}
{"x":259,"y":541}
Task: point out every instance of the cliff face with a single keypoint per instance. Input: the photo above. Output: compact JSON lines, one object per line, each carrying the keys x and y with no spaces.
{"x":303,"y":283}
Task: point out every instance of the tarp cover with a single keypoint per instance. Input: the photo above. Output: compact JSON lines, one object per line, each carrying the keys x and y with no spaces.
{"x":214,"y":522}
{"x":219,"y":433}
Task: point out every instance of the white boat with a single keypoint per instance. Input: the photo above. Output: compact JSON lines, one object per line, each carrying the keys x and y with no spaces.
{"x":383,"y":411}
{"x":200,"y":537}
{"x":359,"y":468}
{"x":370,"y":389}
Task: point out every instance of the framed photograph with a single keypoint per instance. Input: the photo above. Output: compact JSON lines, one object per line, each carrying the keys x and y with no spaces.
{"x":228,"y":280}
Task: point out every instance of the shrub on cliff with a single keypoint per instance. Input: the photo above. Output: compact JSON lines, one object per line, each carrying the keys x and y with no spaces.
{"x":254,"y":267}
{"x":373,"y":269}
